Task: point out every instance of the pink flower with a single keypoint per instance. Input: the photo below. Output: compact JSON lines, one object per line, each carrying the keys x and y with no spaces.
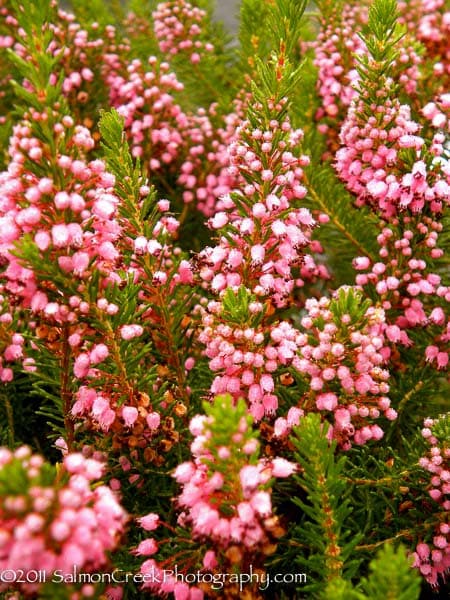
{"x":431,"y":353}
{"x":42,"y":240}
{"x":442,"y":360}
{"x":81,"y":365}
{"x":147,"y":547}
{"x":258,"y":254}
{"x":220,"y":220}
{"x":266,"y":383}
{"x":184,"y":472}
{"x":377,"y":189}
{"x":153,"y":420}
{"x":250,"y":477}
{"x":149,"y":522}
{"x":210,"y":560}
{"x":128,"y":332}
{"x":261,"y":503}
{"x":327,"y":401}
{"x":107,"y":251}
{"x":129,"y":415}
{"x":98,"y":353}
{"x":282,"y":467}
{"x":60,"y":236}
{"x":245,"y":512}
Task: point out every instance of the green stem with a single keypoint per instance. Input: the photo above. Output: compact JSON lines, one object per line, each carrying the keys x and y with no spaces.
{"x":400,"y":534}
{"x":382,"y":481}
{"x":332,"y":551}
{"x":408,"y":396}
{"x":115,"y":351}
{"x":179,"y":368}
{"x":10,"y":419}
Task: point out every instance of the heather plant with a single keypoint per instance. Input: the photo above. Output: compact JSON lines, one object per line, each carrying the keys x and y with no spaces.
{"x":224,"y":290}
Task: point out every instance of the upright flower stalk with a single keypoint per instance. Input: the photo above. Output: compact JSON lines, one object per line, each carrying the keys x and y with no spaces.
{"x":225,"y":501}
{"x":260,"y":259}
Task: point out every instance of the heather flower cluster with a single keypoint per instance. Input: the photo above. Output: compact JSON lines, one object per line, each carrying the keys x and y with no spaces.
{"x":225,"y":497}
{"x":52,"y":522}
{"x":397,"y":166}
{"x":269,"y":228}
{"x":71,"y":226}
{"x":370,"y":160}
{"x":178,"y":28}
{"x":343,"y":354}
{"x":259,"y":264}
{"x":171,"y":140}
{"x":339,"y":47}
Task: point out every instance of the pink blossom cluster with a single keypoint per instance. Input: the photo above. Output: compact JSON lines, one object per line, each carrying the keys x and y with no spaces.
{"x":432,"y":558}
{"x":144,"y":97}
{"x":178,"y":27}
{"x":204,"y":173}
{"x":79,"y":52}
{"x":342,"y":355}
{"x":405,"y":179}
{"x":54,"y":523}
{"x":268,"y":230}
{"x":429,"y":21}
{"x":225,"y":493}
{"x":372,"y":159}
{"x":438,"y":112}
{"x":169,"y":140}
{"x":412,"y":296}
{"x":73,"y":223}
{"x":210,"y":491}
{"x":109,"y":398}
{"x":70,"y":227}
{"x":246,"y":357}
{"x":11,"y":345}
{"x":337,"y":50}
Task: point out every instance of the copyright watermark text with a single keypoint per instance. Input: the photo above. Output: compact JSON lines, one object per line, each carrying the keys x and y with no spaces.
{"x":216,"y":581}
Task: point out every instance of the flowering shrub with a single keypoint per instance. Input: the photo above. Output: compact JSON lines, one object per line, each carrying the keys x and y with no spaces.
{"x":224,"y":290}
{"x":51,"y":524}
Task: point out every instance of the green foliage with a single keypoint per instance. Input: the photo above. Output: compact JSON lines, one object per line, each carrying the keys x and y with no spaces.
{"x":340,"y":589}
{"x":236,"y":307}
{"x":391,"y":576}
{"x":128,"y":173}
{"x":15,"y":479}
{"x":34,"y":18}
{"x":381,"y":36}
{"x":253,"y":29}
{"x":97,"y":11}
{"x":282,"y":19}
{"x":349,"y":302}
{"x":382,"y":488}
{"x":170,"y":307}
{"x":441,"y":429}
{"x":285,"y":21}
{"x":324,"y":532}
{"x":351,"y":231}
{"x":223,"y":420}
{"x":329,"y":8}
{"x":382,"y":27}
